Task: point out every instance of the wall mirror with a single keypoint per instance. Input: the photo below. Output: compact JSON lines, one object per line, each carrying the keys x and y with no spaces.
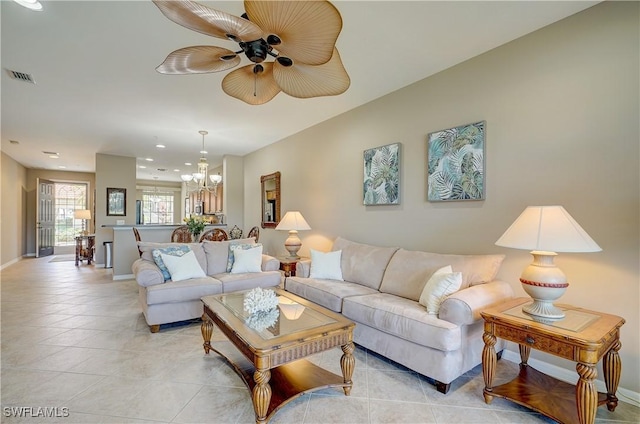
{"x":270,"y":200}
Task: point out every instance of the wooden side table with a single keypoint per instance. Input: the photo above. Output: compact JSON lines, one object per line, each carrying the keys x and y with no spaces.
{"x":583,"y":336}
{"x":288,"y":265}
{"x":84,"y":248}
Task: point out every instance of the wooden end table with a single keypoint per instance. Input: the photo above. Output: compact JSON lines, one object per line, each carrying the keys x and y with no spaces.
{"x":277,"y":372}
{"x":582,"y":336}
{"x":288,"y":265}
{"x":84,"y":248}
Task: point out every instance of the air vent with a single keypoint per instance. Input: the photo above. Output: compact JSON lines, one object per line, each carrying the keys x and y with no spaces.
{"x":162,"y":169}
{"x":21,"y":76}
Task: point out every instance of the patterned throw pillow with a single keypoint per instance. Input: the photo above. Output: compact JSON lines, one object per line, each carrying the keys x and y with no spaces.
{"x":233,"y":247}
{"x":171,"y":250}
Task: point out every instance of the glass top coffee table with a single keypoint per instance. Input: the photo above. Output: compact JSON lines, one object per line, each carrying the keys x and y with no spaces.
{"x":276,"y":343}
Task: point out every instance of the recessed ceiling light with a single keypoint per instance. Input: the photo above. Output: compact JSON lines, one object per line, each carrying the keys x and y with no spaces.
{"x":30,"y":4}
{"x":142,"y":167}
{"x":149,"y":160}
{"x":176,"y":170}
{"x":62,"y":167}
{"x":188,"y":163}
{"x":54,"y":156}
{"x":203,"y":152}
{"x":160,"y":146}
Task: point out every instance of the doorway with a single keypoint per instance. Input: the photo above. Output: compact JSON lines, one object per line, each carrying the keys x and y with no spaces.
{"x":56,"y":225}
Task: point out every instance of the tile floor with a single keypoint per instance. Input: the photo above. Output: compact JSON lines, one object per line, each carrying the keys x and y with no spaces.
{"x":75,"y":340}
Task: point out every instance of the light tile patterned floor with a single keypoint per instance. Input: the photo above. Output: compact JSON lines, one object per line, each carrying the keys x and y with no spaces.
{"x":73,"y":338}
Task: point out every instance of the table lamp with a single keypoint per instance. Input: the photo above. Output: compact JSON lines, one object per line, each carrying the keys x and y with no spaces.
{"x":293,"y":222}
{"x":84,"y":215}
{"x":545,"y":230}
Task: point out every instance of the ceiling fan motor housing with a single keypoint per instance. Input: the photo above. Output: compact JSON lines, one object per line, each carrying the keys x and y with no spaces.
{"x":256,"y":50}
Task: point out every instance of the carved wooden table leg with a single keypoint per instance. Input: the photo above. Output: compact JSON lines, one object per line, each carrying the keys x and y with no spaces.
{"x":207,"y":330}
{"x":489,"y":360}
{"x":261,"y":394}
{"x":612,"y":368}
{"x":348,"y":363}
{"x":525,"y":351}
{"x":586,"y":393}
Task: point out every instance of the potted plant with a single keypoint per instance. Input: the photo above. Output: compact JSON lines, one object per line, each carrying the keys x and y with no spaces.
{"x":196,"y":225}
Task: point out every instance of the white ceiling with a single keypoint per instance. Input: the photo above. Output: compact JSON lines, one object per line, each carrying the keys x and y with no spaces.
{"x":97,"y":90}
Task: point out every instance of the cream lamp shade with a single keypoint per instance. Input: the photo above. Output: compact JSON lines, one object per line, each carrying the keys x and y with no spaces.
{"x":293,"y":222}
{"x":82,"y":214}
{"x":545,"y":230}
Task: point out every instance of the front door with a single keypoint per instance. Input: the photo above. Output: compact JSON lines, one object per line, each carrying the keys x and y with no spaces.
{"x":45,"y":218}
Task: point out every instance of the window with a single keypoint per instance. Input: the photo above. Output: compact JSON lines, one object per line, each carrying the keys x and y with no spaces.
{"x":157,"y":207}
{"x":68,"y":198}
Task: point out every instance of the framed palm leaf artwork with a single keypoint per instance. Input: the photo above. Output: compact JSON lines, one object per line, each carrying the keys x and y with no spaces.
{"x":456,"y":163}
{"x":381,"y":185}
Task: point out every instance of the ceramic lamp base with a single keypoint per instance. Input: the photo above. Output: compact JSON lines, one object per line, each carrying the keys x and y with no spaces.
{"x":293,"y":244}
{"x":545,"y":283}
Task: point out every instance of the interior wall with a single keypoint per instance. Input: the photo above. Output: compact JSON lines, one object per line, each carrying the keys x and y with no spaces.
{"x":113,"y":172}
{"x":58,"y":176}
{"x":561,"y":111}
{"x":13,"y":204}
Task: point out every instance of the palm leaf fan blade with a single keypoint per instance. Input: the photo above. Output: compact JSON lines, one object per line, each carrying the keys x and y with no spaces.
{"x":208,"y":21}
{"x":308,"y":30}
{"x":305,"y":81}
{"x":250,"y":87}
{"x":197,"y":60}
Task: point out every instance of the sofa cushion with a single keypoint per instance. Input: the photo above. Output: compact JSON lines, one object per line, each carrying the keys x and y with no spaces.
{"x":442,"y":283}
{"x":327,"y":293}
{"x":174,"y":292}
{"x":249,"y":280}
{"x":326,"y":265}
{"x":362,"y":263}
{"x":233,"y":248}
{"x":183,"y":267}
{"x":170,"y":250}
{"x":409,"y":271}
{"x":217,"y":254}
{"x":247,"y":260}
{"x":403,"y":318}
{"x":147,"y":248}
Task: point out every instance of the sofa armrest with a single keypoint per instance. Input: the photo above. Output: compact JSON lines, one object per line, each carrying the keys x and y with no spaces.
{"x":303,"y":268}
{"x":464,"y":307}
{"x":269,"y":263}
{"x":147,"y":273}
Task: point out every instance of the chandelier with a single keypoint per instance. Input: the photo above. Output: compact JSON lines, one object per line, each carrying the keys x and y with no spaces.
{"x":201,"y":181}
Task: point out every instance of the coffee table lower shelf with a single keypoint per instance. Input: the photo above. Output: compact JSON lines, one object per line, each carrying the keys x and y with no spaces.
{"x":287,"y":381}
{"x":542,"y":393}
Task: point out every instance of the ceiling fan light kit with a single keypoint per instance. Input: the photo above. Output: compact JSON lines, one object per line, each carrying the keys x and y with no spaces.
{"x":299,"y":36}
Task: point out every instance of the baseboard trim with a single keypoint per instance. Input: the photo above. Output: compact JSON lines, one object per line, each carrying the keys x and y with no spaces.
{"x":123,"y":277}
{"x":11,"y":262}
{"x":570,"y":376}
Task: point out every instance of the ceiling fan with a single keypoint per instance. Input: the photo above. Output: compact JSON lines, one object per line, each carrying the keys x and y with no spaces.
{"x":299,"y":35}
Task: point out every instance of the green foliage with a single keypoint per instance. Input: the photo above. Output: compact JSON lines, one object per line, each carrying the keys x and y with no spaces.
{"x":381,"y":175}
{"x":456,"y":163}
{"x":195,"y":224}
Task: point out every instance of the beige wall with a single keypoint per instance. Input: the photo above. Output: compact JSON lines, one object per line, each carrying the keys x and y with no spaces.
{"x":13,"y":204}
{"x":115,"y":172}
{"x":561,"y":111}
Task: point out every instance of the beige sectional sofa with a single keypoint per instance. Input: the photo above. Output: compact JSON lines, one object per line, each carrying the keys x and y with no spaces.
{"x":165,"y":301}
{"x":381,"y":292}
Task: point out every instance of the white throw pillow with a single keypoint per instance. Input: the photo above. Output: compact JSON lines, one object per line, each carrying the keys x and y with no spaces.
{"x":249,"y":260}
{"x":442,"y":283}
{"x":326,"y":265}
{"x":183,"y":267}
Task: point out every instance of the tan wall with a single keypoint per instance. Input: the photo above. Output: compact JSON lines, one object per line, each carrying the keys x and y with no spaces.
{"x":13,"y":204}
{"x":114,"y":172}
{"x":561,"y":111}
